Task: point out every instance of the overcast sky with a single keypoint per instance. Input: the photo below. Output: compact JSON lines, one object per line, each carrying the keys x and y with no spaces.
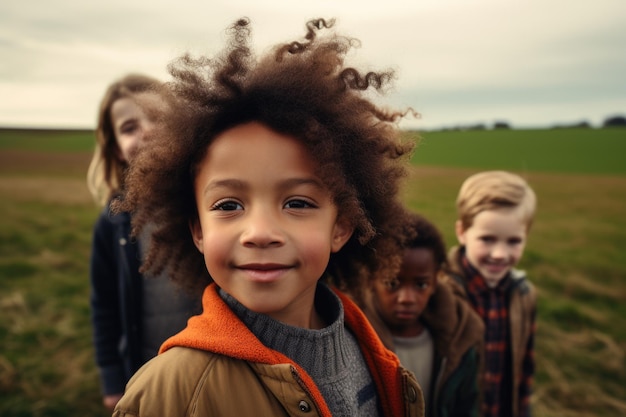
{"x":532,"y":63}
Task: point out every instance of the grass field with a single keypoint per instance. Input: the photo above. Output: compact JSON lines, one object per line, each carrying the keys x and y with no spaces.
{"x":574,"y":256}
{"x":575,"y":151}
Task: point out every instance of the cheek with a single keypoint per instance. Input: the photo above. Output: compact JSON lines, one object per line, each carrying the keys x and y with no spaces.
{"x":424,"y":297}
{"x":472,"y":248}
{"x":383,"y":302}
{"x":476,"y":253}
{"x":519,"y":251}
{"x":120,"y":151}
{"x":314,"y":249}
{"x":127,"y":150}
{"x":216,"y":251}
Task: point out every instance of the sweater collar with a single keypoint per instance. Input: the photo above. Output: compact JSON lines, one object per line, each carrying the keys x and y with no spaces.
{"x":322,"y":353}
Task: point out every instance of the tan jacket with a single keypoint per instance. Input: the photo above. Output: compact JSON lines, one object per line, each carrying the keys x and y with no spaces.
{"x":217,"y":367}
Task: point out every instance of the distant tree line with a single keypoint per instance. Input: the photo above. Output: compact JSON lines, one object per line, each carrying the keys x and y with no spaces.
{"x":609,"y":122}
{"x":612,"y":121}
{"x":615,"y":121}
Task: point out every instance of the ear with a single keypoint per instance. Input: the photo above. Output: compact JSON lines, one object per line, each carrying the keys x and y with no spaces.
{"x":341,"y":233}
{"x":460,"y":232}
{"x":196,"y":233}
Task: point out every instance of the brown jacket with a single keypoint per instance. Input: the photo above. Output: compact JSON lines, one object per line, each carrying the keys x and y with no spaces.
{"x":458,"y":334}
{"x":217,"y":367}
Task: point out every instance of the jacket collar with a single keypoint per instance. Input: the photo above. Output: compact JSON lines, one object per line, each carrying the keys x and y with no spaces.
{"x":219,"y":330}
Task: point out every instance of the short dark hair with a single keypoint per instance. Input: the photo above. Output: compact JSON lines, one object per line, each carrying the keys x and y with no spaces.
{"x":421,"y":233}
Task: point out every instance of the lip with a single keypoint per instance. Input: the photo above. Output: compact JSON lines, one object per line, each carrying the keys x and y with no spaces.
{"x":263,"y":272}
{"x":496,"y":266}
{"x":405,"y":315}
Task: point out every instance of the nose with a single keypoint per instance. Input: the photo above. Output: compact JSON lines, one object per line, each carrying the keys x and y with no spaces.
{"x":262,"y":229}
{"x":144,"y":133}
{"x":499,"y":251}
{"x":406,"y":295}
{"x":137,"y":143}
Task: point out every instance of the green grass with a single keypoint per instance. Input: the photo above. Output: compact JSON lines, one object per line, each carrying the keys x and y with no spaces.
{"x":47,"y":141}
{"x":580,"y":151}
{"x":574,"y":256}
{"x":46,"y":356}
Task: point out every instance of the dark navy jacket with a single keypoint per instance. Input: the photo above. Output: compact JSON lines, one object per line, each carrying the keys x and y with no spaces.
{"x":115,"y":300}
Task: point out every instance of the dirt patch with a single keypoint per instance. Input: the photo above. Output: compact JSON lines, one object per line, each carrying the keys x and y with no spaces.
{"x":45,"y":189}
{"x":49,"y":163}
{"x":49,"y":177}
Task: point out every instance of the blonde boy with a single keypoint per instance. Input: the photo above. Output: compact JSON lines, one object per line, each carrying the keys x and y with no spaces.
{"x":495,"y":211}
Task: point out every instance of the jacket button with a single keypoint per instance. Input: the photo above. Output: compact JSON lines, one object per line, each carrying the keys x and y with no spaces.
{"x":122,"y":241}
{"x":304,"y":406}
{"x":412,"y":394}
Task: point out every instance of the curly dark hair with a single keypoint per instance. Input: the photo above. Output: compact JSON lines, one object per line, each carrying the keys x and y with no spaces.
{"x":421,"y":233}
{"x":301,"y":89}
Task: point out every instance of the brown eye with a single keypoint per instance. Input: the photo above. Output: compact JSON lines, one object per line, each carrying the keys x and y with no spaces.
{"x":227,"y":205}
{"x":298,"y":204}
{"x":391,"y":284}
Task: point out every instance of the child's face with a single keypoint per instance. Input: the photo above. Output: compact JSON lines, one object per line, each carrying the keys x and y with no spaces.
{"x":132,"y":123}
{"x":494,"y":243}
{"x":267,"y":225}
{"x":401,"y":301}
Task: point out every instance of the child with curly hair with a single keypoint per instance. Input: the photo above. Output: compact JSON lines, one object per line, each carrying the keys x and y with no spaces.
{"x":275,"y":186}
{"x":132,"y":314}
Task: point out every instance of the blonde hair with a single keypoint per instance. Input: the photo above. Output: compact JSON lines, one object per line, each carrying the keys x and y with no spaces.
{"x":492,"y":190}
{"x":105,"y":175}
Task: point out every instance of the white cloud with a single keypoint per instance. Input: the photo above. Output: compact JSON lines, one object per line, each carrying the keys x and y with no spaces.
{"x":528,"y":61}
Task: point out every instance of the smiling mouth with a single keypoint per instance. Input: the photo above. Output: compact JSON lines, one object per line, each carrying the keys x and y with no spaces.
{"x":264,"y":272}
{"x":262,"y":266}
{"x":491,"y":265}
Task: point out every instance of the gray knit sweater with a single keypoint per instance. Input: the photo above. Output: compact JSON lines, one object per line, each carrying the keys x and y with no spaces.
{"x":330,"y":355}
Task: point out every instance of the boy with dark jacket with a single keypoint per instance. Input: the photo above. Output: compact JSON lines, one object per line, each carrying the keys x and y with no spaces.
{"x":423,"y":316}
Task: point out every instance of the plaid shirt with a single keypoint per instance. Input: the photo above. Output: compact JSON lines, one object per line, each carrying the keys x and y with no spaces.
{"x":492,"y":306}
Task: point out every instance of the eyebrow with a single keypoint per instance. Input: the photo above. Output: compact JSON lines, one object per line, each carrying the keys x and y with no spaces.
{"x":242,"y":185}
